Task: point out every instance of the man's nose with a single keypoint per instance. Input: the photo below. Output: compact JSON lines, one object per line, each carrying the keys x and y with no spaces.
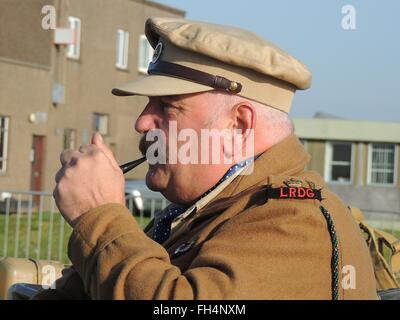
{"x":147,"y":120}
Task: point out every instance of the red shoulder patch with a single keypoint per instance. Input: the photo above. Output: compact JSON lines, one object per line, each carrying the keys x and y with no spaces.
{"x":299,"y":193}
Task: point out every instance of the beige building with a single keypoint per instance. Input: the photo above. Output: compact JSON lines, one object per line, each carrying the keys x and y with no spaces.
{"x":54,"y":96}
{"x":358,"y":159}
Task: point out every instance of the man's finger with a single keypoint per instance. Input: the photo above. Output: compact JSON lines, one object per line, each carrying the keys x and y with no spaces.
{"x":67,"y":157}
{"x":85,"y":148}
{"x":60,"y":173}
{"x":97,"y":140}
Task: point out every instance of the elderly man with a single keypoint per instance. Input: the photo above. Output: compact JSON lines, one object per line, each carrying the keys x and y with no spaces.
{"x":260,"y":227}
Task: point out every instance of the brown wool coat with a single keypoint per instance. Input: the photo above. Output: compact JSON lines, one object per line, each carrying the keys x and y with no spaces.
{"x":241,"y":245}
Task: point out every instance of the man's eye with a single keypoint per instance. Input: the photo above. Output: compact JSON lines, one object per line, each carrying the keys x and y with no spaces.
{"x":166,"y":106}
{"x":163,"y":105}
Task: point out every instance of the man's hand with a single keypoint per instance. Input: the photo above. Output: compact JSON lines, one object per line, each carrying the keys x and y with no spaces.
{"x":87,"y":179}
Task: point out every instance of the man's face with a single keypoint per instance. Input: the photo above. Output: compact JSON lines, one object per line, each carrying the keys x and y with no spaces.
{"x":178,"y":182}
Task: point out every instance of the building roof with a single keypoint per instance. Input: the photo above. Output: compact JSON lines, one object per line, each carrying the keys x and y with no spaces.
{"x":324,"y":115}
{"x":347,"y":130}
{"x":163,"y":7}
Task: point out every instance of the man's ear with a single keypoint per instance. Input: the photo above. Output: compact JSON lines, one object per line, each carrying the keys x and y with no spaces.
{"x":244,"y":116}
{"x":241,"y":133}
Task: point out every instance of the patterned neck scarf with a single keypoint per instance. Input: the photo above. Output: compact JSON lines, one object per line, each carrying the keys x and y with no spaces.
{"x":162,"y":224}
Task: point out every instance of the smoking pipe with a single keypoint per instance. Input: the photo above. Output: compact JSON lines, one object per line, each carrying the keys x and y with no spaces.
{"x":126,"y":167}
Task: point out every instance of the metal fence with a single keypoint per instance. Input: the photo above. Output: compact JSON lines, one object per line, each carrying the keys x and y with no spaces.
{"x":32,"y":227}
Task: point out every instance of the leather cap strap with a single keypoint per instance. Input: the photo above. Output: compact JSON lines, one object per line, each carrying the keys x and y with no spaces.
{"x":186,"y":73}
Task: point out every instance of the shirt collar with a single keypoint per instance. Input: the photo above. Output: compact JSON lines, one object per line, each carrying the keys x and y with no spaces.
{"x":209,"y":195}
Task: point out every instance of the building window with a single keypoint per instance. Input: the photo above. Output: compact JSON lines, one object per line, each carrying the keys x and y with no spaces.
{"x":101,"y":123}
{"x":145,"y":54}
{"x":69,"y":139}
{"x":3,"y":143}
{"x":381,"y":163}
{"x":122,"y":49}
{"x":338,"y":163}
{"x":73,"y":50}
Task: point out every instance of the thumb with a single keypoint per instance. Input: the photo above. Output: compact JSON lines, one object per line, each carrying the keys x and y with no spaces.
{"x":98,"y":141}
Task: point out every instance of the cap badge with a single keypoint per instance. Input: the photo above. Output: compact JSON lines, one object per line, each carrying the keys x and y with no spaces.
{"x":157,"y":52}
{"x":293,"y":183}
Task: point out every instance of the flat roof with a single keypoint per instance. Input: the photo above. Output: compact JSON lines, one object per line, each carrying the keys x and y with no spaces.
{"x":347,"y":130}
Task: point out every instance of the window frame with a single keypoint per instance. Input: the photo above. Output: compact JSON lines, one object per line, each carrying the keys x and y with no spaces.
{"x":5,"y":134}
{"x":328,"y":162}
{"x":141,"y":69}
{"x":124,"y":51}
{"x":395,"y":165}
{"x":108,"y":122}
{"x":68,"y":133}
{"x":74,"y":50}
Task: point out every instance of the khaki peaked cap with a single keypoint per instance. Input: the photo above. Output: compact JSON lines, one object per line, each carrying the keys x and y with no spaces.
{"x":192,"y":57}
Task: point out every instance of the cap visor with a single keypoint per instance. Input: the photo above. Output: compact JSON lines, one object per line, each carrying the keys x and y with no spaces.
{"x":157,"y":85}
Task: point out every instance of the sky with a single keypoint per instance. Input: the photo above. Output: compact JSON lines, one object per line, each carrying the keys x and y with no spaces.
{"x":356,"y":73}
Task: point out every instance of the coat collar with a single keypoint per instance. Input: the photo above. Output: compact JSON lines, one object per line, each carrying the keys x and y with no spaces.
{"x":285,"y":158}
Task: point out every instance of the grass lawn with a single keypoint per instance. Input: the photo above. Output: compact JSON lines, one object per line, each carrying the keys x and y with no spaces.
{"x":396,"y":233}
{"x":53,"y":239}
{"x":54,"y":236}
